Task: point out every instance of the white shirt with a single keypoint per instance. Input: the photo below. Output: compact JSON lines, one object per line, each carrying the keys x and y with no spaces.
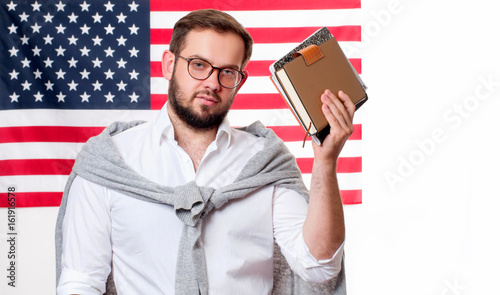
{"x":140,"y":239}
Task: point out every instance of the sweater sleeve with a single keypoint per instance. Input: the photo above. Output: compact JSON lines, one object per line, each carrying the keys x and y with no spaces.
{"x":86,"y":245}
{"x":289,"y":213}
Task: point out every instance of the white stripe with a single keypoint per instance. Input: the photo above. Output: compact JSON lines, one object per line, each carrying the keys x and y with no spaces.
{"x":268,"y":51}
{"x":81,"y":118}
{"x":352,"y":148}
{"x":39,"y":150}
{"x":35,"y":183}
{"x":271,"y":18}
{"x":347,"y":181}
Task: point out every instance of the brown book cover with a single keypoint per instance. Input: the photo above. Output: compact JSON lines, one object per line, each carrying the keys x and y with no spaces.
{"x":305,"y":79}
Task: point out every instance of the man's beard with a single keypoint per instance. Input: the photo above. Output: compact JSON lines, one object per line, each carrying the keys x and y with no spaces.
{"x":189,"y":116}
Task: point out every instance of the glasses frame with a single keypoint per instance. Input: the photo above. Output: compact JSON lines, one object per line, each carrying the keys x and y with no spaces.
{"x":189,"y":60}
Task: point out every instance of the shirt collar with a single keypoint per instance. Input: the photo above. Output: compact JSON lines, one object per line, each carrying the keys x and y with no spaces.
{"x":164,"y":130}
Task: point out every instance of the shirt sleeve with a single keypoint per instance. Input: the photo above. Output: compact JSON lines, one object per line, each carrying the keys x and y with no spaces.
{"x":289,"y":213}
{"x":86,"y":245}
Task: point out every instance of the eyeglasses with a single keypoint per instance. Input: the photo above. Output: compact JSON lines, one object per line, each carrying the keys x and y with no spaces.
{"x":201,"y":69}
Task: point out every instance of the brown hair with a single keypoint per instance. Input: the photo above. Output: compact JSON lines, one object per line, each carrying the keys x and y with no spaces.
{"x":212,"y":19}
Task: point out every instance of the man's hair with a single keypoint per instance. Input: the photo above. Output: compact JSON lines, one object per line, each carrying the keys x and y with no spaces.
{"x":211,"y":19}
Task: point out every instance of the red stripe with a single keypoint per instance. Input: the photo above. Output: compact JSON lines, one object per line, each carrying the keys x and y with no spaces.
{"x":188,"y":5}
{"x":344,"y":164}
{"x":296,"y":133}
{"x":47,"y":134}
{"x":255,"y":68}
{"x":276,"y":35}
{"x":36,"y":167}
{"x":33,"y":199}
{"x":351,"y":197}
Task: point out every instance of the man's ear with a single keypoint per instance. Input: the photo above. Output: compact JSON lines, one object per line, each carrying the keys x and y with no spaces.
{"x":243,"y":81}
{"x":167,"y":64}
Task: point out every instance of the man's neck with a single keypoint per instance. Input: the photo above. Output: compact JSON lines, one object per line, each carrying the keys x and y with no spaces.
{"x":193,"y":141}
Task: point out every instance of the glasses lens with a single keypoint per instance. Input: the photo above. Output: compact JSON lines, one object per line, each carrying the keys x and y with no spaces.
{"x":201,"y":70}
{"x":229,"y":78}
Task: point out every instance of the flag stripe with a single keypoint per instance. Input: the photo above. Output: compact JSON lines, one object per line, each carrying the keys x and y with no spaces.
{"x":47,"y":134}
{"x":161,"y":5}
{"x":34,"y":199}
{"x":351,"y":197}
{"x":276,"y":35}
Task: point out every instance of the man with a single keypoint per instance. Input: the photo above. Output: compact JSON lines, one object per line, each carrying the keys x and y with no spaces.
{"x":222,"y":242}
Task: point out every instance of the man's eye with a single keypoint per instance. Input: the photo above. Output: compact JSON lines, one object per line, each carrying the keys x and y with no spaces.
{"x":228,"y":72}
{"x":198,"y":65}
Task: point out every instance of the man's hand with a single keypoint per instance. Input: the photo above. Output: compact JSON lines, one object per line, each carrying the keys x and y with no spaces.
{"x":339,"y":112}
{"x":324,"y":229}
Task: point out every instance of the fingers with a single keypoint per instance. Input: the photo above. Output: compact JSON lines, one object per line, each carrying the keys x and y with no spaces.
{"x":338,"y":110}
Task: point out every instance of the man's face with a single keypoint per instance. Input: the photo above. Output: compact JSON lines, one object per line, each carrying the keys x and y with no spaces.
{"x":203,"y":104}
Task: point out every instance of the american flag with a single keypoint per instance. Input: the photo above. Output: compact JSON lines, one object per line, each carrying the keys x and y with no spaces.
{"x":71,"y":67}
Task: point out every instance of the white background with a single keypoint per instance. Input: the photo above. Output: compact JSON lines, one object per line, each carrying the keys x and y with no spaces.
{"x":429,"y":221}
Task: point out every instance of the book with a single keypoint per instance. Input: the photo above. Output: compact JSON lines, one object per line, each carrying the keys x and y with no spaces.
{"x":302,"y":75}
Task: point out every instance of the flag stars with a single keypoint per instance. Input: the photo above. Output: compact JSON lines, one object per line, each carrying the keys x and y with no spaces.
{"x":109,"y":29}
{"x":60,"y":6}
{"x":109,"y":97}
{"x":133,"y":52}
{"x":133,"y":6}
{"x":121,"y":41}
{"x":38,"y":74}
{"x":121,"y":18}
{"x":13,"y":75}
{"x":14,"y":97}
{"x":133,"y":75}
{"x":60,"y":74}
{"x":109,"y":74}
{"x":121,"y":86}
{"x":72,"y":18}
{"x":85,"y":6}
{"x":36,"y":6}
{"x":72,"y":85}
{"x":97,"y":40}
{"x":133,"y":30}
{"x":97,"y":18}
{"x":109,"y":6}
{"x":24,"y":16}
{"x":85,"y":51}
{"x":121,"y":63}
{"x":109,"y":51}
{"x":60,"y":29}
{"x":49,"y":86}
{"x":36,"y":28}
{"x":24,"y":40}
{"x":97,"y":62}
{"x":48,"y":62}
{"x":12,"y":6}
{"x":38,"y":96}
{"x":26,"y":62}
{"x":36,"y":51}
{"x":85,"y":97}
{"x":72,"y":62}
{"x":133,"y":97}
{"x":72,"y":40}
{"x":12,"y":29}
{"x":48,"y":17}
{"x":26,"y":85}
{"x":97,"y":85}
{"x":48,"y":39}
{"x":85,"y":74}
{"x":60,"y":97}
{"x":13,"y":51}
{"x":60,"y":51}
{"x":85,"y":29}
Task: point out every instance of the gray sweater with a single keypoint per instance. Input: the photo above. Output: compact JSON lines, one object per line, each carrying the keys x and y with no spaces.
{"x":99,"y":162}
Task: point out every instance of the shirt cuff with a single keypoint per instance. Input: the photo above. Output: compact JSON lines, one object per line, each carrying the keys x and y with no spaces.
{"x":73,"y":282}
{"x":309,"y":261}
